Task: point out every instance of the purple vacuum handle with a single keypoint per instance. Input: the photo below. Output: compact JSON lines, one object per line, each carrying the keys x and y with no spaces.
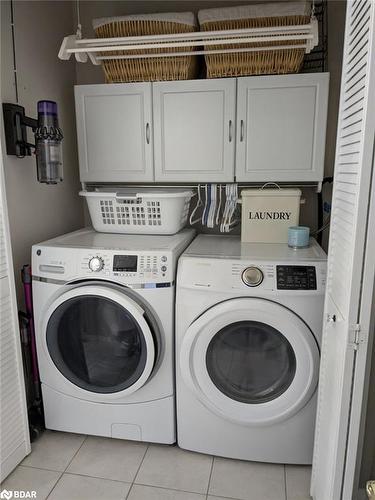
{"x":26,"y":274}
{"x":27,"y":279}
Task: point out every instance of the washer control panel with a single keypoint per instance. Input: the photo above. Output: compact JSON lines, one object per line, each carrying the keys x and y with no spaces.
{"x":125,"y":263}
{"x":132,"y":267}
{"x":96,"y":264}
{"x":296,"y":277}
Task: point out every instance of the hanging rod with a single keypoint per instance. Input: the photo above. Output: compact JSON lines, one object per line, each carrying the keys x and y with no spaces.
{"x":163,"y":45}
{"x":201,"y":35}
{"x":199,"y":52}
{"x":97,"y":185}
{"x":276,"y":36}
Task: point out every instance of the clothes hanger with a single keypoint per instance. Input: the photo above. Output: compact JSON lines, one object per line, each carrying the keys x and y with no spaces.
{"x":197,"y":206}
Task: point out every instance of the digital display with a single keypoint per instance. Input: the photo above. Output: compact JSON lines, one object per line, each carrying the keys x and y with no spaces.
{"x":125,"y":263}
{"x":296,"y":277}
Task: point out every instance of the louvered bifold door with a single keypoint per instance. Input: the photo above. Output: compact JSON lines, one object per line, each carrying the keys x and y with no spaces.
{"x":14,"y":433}
{"x":342,"y":334}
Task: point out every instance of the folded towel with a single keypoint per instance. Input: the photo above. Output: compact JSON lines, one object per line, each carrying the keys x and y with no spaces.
{"x":171,"y":17}
{"x":279,"y":9}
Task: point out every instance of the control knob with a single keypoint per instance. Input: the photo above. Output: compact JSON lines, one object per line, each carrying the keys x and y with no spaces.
{"x":252,"y":276}
{"x":96,"y":264}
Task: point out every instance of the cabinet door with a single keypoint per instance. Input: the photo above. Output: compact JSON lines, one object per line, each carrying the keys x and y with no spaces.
{"x":194,"y":130}
{"x":114,"y":132}
{"x":281,"y":126}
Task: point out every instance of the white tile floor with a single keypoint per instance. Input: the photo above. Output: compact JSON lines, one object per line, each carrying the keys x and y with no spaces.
{"x":72,"y":467}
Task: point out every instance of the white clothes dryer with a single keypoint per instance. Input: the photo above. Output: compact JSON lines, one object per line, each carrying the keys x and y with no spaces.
{"x":104,"y":321}
{"x":248,"y":332}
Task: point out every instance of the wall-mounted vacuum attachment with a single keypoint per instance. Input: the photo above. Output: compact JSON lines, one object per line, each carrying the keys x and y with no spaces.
{"x":48,"y":137}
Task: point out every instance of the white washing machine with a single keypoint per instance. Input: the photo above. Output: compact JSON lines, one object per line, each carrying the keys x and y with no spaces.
{"x":248,"y":331}
{"x":104,"y":321}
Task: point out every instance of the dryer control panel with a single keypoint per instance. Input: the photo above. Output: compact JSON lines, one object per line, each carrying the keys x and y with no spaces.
{"x":254,"y":276}
{"x":296,"y":277}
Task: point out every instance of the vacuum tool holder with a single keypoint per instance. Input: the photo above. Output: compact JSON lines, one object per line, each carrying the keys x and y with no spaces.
{"x":48,"y":137}
{"x":15,"y":123}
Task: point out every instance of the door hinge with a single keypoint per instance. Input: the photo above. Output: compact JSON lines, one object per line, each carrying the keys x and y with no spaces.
{"x":357,"y":336}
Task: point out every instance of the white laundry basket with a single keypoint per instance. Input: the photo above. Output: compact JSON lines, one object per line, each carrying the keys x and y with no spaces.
{"x":268,"y":213}
{"x":131,"y":212}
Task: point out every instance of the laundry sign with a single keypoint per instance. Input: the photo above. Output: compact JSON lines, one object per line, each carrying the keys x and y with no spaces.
{"x":268,"y":213}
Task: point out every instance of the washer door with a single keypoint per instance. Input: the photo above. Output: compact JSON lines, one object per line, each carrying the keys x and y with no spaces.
{"x":99,"y":340}
{"x":251,"y":361}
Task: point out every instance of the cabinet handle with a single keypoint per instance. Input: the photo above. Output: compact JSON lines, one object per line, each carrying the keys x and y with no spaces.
{"x":230,"y":131}
{"x":241,"y":130}
{"x":148,"y":133}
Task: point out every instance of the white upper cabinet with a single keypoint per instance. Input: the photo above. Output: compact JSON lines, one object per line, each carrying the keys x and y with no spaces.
{"x":114,"y":128}
{"x":250,"y":129}
{"x":281,"y":126}
{"x":194,"y":130}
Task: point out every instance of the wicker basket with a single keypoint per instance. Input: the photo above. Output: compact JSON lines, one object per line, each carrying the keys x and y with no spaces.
{"x":147,"y":69}
{"x":255,"y":16}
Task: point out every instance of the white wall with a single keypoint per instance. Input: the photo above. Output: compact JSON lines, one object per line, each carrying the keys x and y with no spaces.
{"x":38,"y":211}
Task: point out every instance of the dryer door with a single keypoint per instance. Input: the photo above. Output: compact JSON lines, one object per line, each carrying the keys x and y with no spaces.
{"x":251,"y":361}
{"x":100,"y":342}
